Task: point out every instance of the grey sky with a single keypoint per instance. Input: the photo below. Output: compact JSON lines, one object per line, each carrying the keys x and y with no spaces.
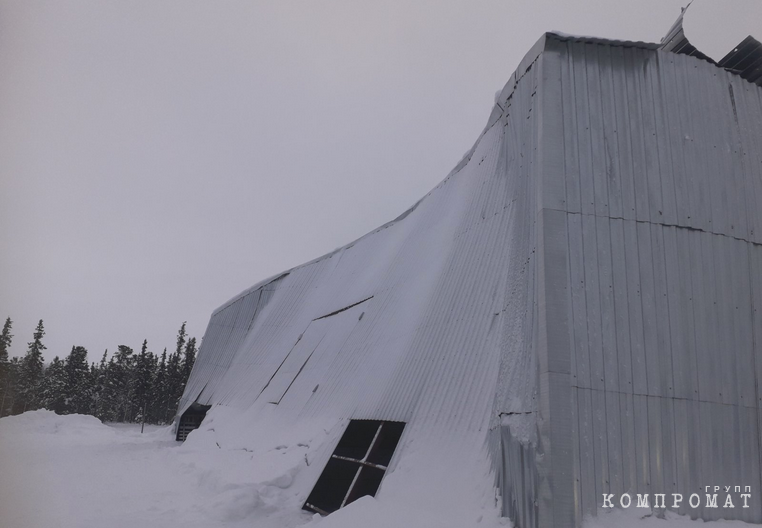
{"x":158,"y":157}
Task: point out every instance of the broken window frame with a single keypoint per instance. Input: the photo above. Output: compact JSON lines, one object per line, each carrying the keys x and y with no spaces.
{"x":363,"y":464}
{"x":188,"y":421}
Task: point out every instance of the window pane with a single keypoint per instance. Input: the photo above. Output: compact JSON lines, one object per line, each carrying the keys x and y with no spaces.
{"x":333,"y":484}
{"x":357,"y":439}
{"x":336,"y":481}
{"x":367,"y":483}
{"x":386,"y":443}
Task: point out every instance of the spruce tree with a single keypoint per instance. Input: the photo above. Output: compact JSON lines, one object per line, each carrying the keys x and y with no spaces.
{"x":5,"y":341}
{"x":189,"y":359}
{"x":78,"y":389}
{"x":119,"y":385}
{"x":31,"y":371}
{"x":5,"y":367}
{"x":159,"y":392}
{"x":53,"y":387}
{"x":181,"y":337}
{"x":143,"y":381}
{"x":13,"y":402}
{"x":175,"y":379}
{"x":98,"y":376}
{"x":174,"y":386}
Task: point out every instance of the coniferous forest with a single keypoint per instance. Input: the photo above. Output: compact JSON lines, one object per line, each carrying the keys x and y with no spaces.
{"x":127,"y":386}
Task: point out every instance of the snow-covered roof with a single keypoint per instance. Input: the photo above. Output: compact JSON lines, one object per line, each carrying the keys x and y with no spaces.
{"x":532,"y":309}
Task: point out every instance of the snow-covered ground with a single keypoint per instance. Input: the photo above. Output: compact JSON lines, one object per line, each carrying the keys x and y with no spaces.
{"x":75,"y":472}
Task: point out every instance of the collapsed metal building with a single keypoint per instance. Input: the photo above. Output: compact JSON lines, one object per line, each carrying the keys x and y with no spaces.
{"x":581,"y":297}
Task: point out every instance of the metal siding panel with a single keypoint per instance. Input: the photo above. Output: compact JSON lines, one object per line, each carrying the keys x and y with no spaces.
{"x":616,"y":454}
{"x":629,"y":460}
{"x":684,"y":458}
{"x":730,"y":123}
{"x":600,"y":442}
{"x":711,"y":450}
{"x":685,"y":262}
{"x":655,"y":444}
{"x":713,"y":157}
{"x":751,"y":137}
{"x":683,"y":191}
{"x":755,"y":260}
{"x":743,"y":320}
{"x":576,"y":461}
{"x":635,"y":61}
{"x":608,"y":315}
{"x":571,"y":146}
{"x":550,"y":131}
{"x":669,"y":464}
{"x":609,"y":130}
{"x":596,"y":132}
{"x":592,"y":300}
{"x":648,"y":295}
{"x":681,"y":316}
{"x":587,"y":452}
{"x":584,"y":140}
{"x":642,"y":447}
{"x":725,"y":362}
{"x":622,"y":322}
{"x":651,"y":142}
{"x":664,"y":134}
{"x":695,"y":197}
{"x":750,"y":458}
{"x":624,"y":159}
{"x":706,"y":315}
{"x":581,"y":358}
{"x":560,"y":501}
{"x":663,"y":343}
{"x":635,"y":310}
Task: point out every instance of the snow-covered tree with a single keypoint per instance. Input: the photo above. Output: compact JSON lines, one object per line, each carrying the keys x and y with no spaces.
{"x":5,"y":367}
{"x":159,"y":397}
{"x":52,"y":394}
{"x":118,"y":385}
{"x":174,"y":385}
{"x":143,"y":380}
{"x":189,"y":359}
{"x":78,"y":391}
{"x":30,"y":376}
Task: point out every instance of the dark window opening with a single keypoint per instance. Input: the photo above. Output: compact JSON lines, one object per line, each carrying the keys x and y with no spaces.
{"x":357,"y":465}
{"x":190,"y":420}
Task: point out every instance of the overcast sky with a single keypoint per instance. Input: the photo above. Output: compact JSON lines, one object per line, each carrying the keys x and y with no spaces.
{"x":156,"y":158}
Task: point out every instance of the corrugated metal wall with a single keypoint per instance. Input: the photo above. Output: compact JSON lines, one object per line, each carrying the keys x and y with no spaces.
{"x":659,"y":161}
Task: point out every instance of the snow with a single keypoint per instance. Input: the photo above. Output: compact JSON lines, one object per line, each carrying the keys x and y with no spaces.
{"x":636,"y":518}
{"x":74,"y":471}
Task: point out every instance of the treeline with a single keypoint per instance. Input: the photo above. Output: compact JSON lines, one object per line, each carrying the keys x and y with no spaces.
{"x":127,"y":387}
